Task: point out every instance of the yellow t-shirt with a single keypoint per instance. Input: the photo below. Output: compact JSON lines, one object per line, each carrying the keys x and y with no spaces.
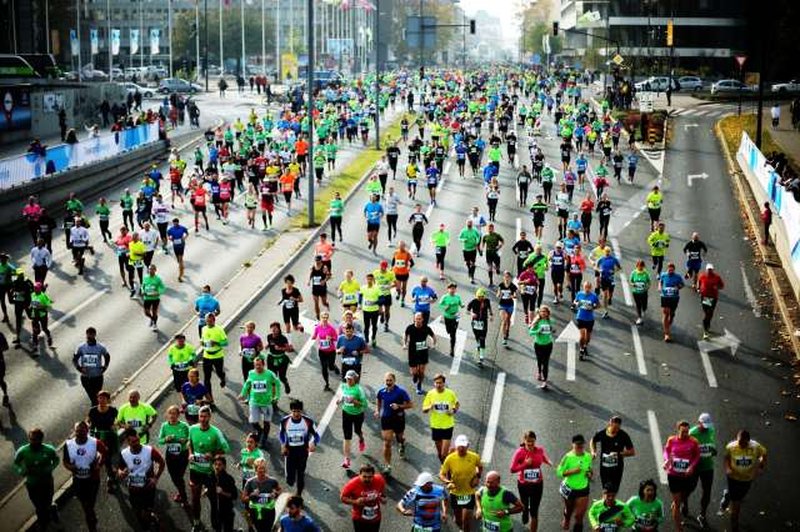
{"x":461,"y":470}
{"x":441,"y":405}
{"x":349,"y":290}
{"x":744,"y":462}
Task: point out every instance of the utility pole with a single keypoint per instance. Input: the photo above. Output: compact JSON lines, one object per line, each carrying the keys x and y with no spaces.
{"x":197,"y":41}
{"x":169,"y":30}
{"x":762,"y":72}
{"x":310,"y":109}
{"x":263,"y":41}
{"x":205,"y":42}
{"x":377,"y":44}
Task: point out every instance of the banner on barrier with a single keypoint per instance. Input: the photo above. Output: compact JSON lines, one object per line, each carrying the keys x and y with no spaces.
{"x":18,"y":170}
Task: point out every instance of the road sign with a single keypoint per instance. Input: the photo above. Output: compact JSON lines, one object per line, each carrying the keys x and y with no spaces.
{"x":546,"y":43}
{"x":618,"y":59}
{"x":740,"y":59}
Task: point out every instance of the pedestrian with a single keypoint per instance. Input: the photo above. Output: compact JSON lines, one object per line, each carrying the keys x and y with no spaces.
{"x":174,"y":435}
{"x":609,"y":513}
{"x":612,"y":445}
{"x":766,"y":219}
{"x":496,"y":504}
{"x":41,"y":261}
{"x":527,"y":463}
{"x":295,"y":519}
{"x":260,"y":493}
{"x":36,"y":461}
{"x":20,"y":293}
{"x":426,"y":503}
{"x":83,"y":457}
{"x":681,"y":457}
{"x":706,"y":436}
{"x":775,"y":113}
{"x":299,"y":438}
{"x":138,"y":415}
{"x":91,"y":359}
{"x":141,"y":467}
{"x":745,"y":460}
{"x":226,"y":492}
{"x":365,"y":493}
{"x":709,"y":283}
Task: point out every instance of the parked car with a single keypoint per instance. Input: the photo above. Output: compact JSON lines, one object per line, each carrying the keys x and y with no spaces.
{"x":729,"y":86}
{"x":789,"y":86}
{"x":169,"y":85}
{"x":657,"y":84}
{"x":87,"y":74}
{"x":131,"y":88}
{"x":690,"y":83}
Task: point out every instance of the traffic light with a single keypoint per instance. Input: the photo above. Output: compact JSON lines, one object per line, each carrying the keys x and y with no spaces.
{"x":472,"y":27}
{"x":555,"y":29}
{"x":669,"y":32}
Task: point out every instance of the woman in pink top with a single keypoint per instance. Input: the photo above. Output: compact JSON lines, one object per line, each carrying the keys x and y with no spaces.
{"x":681,"y":456}
{"x":325,"y":334}
{"x":527,"y":463}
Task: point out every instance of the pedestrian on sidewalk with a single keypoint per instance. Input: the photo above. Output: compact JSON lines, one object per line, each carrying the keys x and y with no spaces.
{"x":775,"y":112}
{"x":766,"y":219}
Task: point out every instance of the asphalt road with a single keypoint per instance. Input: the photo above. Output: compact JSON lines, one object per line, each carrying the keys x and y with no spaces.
{"x":99,"y":300}
{"x":651,"y":386}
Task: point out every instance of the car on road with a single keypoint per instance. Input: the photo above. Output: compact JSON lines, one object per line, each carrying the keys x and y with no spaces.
{"x":690,"y":83}
{"x":657,"y":84}
{"x":789,"y":86}
{"x":131,"y":88}
{"x":169,"y":85}
{"x":729,"y":86}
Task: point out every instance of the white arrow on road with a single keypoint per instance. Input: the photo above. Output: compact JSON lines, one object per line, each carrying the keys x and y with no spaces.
{"x":571,"y":335}
{"x":692,"y":177}
{"x":728,"y":341}
{"x":687,"y":126}
{"x":308,"y":324}
{"x":438,"y":328}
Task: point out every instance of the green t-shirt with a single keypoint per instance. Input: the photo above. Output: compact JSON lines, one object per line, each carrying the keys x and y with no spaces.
{"x":137,"y":417}
{"x":261,"y":389}
{"x":542,"y":332}
{"x":646,"y":515}
{"x":40,"y":304}
{"x":640,"y":281}
{"x":179,"y":433}
{"x":470,"y":238}
{"x":35,"y":465}
{"x":215,"y":334}
{"x":547,"y":174}
{"x":450,"y":305}
{"x":492,"y":241}
{"x":619,"y":514}
{"x":440,"y":239}
{"x":370,"y":295}
{"x":708,"y":447}
{"x":384,"y":281}
{"x":152,"y":287}
{"x":247,"y":460}
{"x":337,"y":208}
{"x":659,"y":242}
{"x":203,"y":442}
{"x":351,"y":394}
{"x":181,"y":358}
{"x":491,"y":504}
{"x":374,"y":187}
{"x":577,"y":481}
{"x":539,"y":264}
{"x":103,"y":212}
{"x":127,"y":203}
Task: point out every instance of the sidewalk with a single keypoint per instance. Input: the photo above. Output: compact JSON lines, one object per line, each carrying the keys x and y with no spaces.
{"x":784,"y":136}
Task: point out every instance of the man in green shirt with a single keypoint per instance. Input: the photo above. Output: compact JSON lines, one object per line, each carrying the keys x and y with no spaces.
{"x":492,"y":243}
{"x":206,"y":442}
{"x":319,"y":164}
{"x":136,"y":415}
{"x":496,"y":504}
{"x":354,"y":403}
{"x":440,"y":240}
{"x":181,"y":358}
{"x":260,"y":390}
{"x":126,"y":202}
{"x":640,"y":284}
{"x":658,"y":242}
{"x":336,"y":210}
{"x":706,"y":436}
{"x":152,"y":288}
{"x":214,"y":341}
{"x":451,"y":305}
{"x":470,"y":239}
{"x":610,"y":511}
{"x":39,"y":311}
{"x":36,"y":461}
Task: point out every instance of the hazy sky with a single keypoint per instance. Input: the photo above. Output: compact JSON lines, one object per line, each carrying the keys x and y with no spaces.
{"x":505,"y":10}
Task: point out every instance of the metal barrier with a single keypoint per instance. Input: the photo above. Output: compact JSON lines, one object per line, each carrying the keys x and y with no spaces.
{"x":21,"y":169}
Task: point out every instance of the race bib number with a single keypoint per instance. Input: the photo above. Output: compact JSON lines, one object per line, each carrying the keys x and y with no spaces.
{"x":420,"y":528}
{"x":400,"y":263}
{"x":174,"y":448}
{"x":680,"y":465}
{"x":609,"y":460}
{"x":82,"y":472}
{"x":349,"y":299}
{"x":369,"y":512}
{"x":587,"y":305}
{"x":200,"y":459}
{"x":565,"y":490}
{"x":259,"y":386}
{"x":138,"y":264}
{"x":325,"y":344}
{"x":708,"y":301}
{"x":421,"y":346}
{"x":193,"y":409}
{"x":639,"y":286}
{"x":316,"y":280}
{"x":670,"y":291}
{"x":706,"y":450}
{"x":491,"y":526}
{"x":463,"y":500}
{"x":441,"y":407}
{"x":296,"y":439}
{"x":532,"y":475}
{"x":505,"y":294}
{"x":478,"y":325}
{"x":289,"y":303}
{"x":248,"y":353}
{"x":530,"y":289}
{"x":349,"y":361}
{"x":177,"y":241}
{"x":744,"y":462}
{"x":90,"y":360}
{"x":137,"y":481}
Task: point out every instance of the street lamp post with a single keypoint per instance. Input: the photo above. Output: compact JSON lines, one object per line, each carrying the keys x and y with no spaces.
{"x":310,"y":108}
{"x":205,"y":42}
{"x":263,"y":41}
{"x":377,"y":44}
{"x":169,"y":30}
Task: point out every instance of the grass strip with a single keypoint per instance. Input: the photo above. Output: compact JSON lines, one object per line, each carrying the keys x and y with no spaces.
{"x":732,"y":127}
{"x":347,"y":178}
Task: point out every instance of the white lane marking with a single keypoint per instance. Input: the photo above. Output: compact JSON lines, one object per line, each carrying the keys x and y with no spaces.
{"x":328,"y":415}
{"x":571,"y":361}
{"x":617,"y":249}
{"x":709,"y":369}
{"x":637,"y":346}
{"x":699,"y":113}
{"x":494,"y":418}
{"x":626,"y":289}
{"x":303,"y":353}
{"x":571,"y":335}
{"x":439,"y":186}
{"x":519,"y":226}
{"x":461,"y":342}
{"x":71,"y":313}
{"x":655,"y":438}
{"x":750,"y":294}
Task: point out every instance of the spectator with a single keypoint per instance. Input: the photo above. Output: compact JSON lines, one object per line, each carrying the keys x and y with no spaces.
{"x":62,"y":123}
{"x":775,"y":112}
{"x":794,"y":109}
{"x":766,"y":219}
{"x":105,"y":109}
{"x":223,"y":86}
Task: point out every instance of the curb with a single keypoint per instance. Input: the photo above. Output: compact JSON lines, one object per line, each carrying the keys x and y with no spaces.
{"x":754,"y":226}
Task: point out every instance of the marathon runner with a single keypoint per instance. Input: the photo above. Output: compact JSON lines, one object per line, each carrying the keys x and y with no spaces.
{"x":461,"y":472}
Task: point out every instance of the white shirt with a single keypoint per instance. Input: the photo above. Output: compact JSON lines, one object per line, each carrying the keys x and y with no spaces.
{"x":150,"y":239}
{"x":382,"y":168}
{"x":161,"y":212}
{"x":79,"y":237}
{"x":775,"y":111}
{"x":41,"y":256}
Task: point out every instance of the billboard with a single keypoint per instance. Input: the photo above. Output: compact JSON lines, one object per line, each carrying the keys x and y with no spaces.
{"x":16,"y":113}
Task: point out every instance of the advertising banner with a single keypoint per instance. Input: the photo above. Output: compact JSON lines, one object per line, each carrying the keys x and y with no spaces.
{"x":134,"y":40}
{"x":155,"y":38}
{"x":115,"y":41}
{"x":94,"y":41}
{"x":74,"y":44}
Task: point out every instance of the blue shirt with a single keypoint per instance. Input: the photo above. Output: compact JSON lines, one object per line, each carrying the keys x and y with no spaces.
{"x":422,"y":296}
{"x":353,"y":349}
{"x":586,"y":304}
{"x":461,"y":152}
{"x":304,"y":524}
{"x":396,"y":395}
{"x":178,"y":234}
{"x":607,"y":266}
{"x":426,"y":507}
{"x":204,"y":304}
{"x":633,"y":159}
{"x":581,"y":163}
{"x":373,"y":211}
{"x":433,"y":175}
{"x":671,"y":283}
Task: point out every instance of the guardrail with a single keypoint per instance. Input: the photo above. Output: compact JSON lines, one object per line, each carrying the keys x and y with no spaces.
{"x":21,"y":169}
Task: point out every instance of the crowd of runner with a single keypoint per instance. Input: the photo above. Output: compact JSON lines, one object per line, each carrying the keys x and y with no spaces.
{"x":472,"y":121}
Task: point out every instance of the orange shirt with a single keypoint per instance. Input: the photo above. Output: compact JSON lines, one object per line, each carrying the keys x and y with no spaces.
{"x":401,"y":262}
{"x":325,"y":249}
{"x":287,"y":182}
{"x":301,"y":147}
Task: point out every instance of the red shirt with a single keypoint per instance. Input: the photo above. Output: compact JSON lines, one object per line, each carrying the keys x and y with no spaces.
{"x":528,"y":473}
{"x":587,"y":205}
{"x":372,"y":493}
{"x":32,"y":212}
{"x":709,"y":284}
{"x":301,"y":147}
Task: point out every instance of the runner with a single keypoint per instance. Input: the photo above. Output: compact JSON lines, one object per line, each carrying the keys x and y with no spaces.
{"x":174,"y":435}
{"x":392,"y":402}
{"x":575,"y":468}
{"x":348,"y":291}
{"x":418,"y":220}
{"x":496,"y":504}
{"x":373,"y":212}
{"x":613,"y":445}
{"x":36,"y":461}
{"x":604,"y":211}
{"x":41,"y":262}
{"x":607,"y":265}
{"x":391,"y":208}
{"x":669,"y":285}
{"x":326,"y":337}
{"x":745,"y":460}
{"x":522,"y":248}
{"x":152,"y":289}
{"x":318,"y":277}
{"x":492,"y":199}
{"x":527,"y":463}
{"x":681,"y":456}
{"x":709,"y":283}
{"x":225,"y":486}
{"x":371,"y":298}
{"x":402,"y":262}
{"x":365,"y":492}
{"x":91,"y":359}
{"x":136,"y":253}
{"x":523,"y":181}
{"x":151,"y":240}
{"x":213,"y":340}
{"x":198,"y":199}
{"x":432,"y":177}
{"x":195,"y":395}
{"x":415,"y":340}
{"x":440,"y":240}
{"x":267,"y":190}
{"x":450,"y":304}
{"x":260,"y":494}
{"x":426,"y":503}
{"x":141,"y":467}
{"x":640,"y":284}
{"x":260,"y":391}
{"x":481,"y":312}
{"x":295,"y":519}
{"x":102,"y":418}
{"x":177,"y":234}
{"x":542,"y":331}
{"x":39,"y":311}
{"x":205,"y":304}
{"x":354,"y":403}
{"x":206,"y":442}
{"x":507,"y":299}
{"x":423,"y":295}
{"x":654,"y":201}
{"x":706,"y":436}
{"x":79,"y":243}
{"x":278,"y":347}
{"x":442,"y":405}
{"x":492,"y":243}
{"x":694,"y":250}
{"x":609,"y":513}
{"x":647,"y":508}
{"x":299,"y":437}
{"x":470,"y":239}
{"x":584,"y":305}
{"x":461,"y":472}
{"x":290,"y":304}
{"x":251,"y":345}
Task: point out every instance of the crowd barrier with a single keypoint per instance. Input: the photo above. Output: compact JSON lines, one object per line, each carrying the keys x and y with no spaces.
{"x":786,"y":219}
{"x":21,"y":169}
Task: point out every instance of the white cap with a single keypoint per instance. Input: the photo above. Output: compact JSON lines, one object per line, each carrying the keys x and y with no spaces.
{"x":461,"y":441}
{"x":709,"y":266}
{"x":705,"y":420}
{"x":423,"y":478}
{"x":351,"y":374}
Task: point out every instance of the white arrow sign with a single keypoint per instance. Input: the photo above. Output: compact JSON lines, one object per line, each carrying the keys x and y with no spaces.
{"x":728,"y":341}
{"x":687,"y":126}
{"x":438,"y":328}
{"x":692,"y":177}
{"x":308,"y":324}
{"x":571,"y":335}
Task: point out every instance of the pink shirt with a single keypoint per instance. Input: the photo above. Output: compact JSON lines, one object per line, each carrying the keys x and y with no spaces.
{"x":529,"y":473}
{"x":681,"y":455}
{"x":326,"y":337}
{"x":32,"y":212}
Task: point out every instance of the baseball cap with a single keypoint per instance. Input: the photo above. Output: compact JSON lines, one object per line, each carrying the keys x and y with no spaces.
{"x":351,"y":374}
{"x":709,"y":266}
{"x":705,"y":420}
{"x":423,"y":478}
{"x":461,"y":441}
{"x":559,"y":244}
